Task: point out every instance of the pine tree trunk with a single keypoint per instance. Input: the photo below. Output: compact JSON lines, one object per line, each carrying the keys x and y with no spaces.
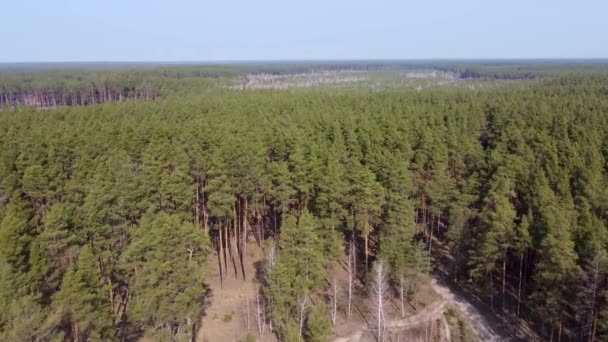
{"x":354,"y":255}
{"x":559,"y":333}
{"x":521,"y":267}
{"x":244,"y":238}
{"x":593,"y":328}
{"x":197,"y":203}
{"x":219,"y":255}
{"x":504,"y":278}
{"x":226,"y":244}
{"x":366,"y":252}
{"x":205,"y":212}
{"x":258,"y":227}
{"x":430,"y":248}
{"x":491,"y":291}
{"x":231,"y":240}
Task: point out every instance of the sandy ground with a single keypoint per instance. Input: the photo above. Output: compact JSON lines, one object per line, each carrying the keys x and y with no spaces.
{"x":477,"y":322}
{"x":225,"y":318}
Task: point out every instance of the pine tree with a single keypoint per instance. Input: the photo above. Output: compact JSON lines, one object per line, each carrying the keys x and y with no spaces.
{"x":23,"y":319}
{"x":523,"y":242}
{"x":54,"y":248}
{"x":299,"y":268}
{"x":499,"y":216}
{"x":83,"y":302}
{"x":318,"y":327}
{"x":165,"y":262}
{"x":17,"y":230}
{"x":397,"y":233}
{"x":557,"y":267}
{"x":365,"y":197}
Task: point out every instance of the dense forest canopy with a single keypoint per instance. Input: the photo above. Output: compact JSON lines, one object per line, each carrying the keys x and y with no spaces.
{"x":110,"y":213}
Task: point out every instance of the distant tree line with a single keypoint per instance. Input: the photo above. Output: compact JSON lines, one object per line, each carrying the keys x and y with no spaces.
{"x":73,"y":86}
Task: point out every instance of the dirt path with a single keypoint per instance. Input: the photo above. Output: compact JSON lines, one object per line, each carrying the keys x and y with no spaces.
{"x":477,"y":322}
{"x":433,"y":311}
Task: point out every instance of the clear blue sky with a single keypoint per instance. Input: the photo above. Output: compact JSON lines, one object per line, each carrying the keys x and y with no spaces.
{"x":202,"y":30}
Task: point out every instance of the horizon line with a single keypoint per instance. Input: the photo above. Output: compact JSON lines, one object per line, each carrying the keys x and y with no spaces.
{"x":290,"y":60}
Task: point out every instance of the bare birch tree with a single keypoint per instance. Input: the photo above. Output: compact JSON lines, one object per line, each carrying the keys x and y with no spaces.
{"x":380,"y":291}
{"x":350,"y":279}
{"x":271,"y":258}
{"x":302,"y":304}
{"x":247,"y":321}
{"x":402,"y":294}
{"x":334,"y":301}
{"x":258,"y":316}
{"x":591,"y":293}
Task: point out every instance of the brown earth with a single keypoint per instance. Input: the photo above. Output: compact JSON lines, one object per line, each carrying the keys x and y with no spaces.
{"x":225,"y":317}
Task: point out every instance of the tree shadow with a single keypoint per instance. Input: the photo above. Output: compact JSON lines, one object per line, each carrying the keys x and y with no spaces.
{"x":205,"y":302}
{"x":260,"y":272}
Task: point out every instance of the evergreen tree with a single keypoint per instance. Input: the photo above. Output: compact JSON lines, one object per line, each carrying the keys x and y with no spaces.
{"x":17,"y":230}
{"x":499,"y":216}
{"x":318,"y":327}
{"x":299,"y":269}
{"x":82,"y":302}
{"x":165,"y":261}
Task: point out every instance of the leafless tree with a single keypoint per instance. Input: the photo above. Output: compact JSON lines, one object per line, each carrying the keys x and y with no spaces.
{"x":271,"y":257}
{"x":402,"y":294}
{"x":334,"y":301}
{"x":350,"y":279}
{"x":302,"y":304}
{"x":592,"y":292}
{"x":247,"y":314}
{"x":380,"y":291}
{"x":258,"y":316}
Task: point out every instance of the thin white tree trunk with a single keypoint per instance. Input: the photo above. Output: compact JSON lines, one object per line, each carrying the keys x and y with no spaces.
{"x":334,"y":303}
{"x":302,"y":303}
{"x":257,"y":300}
{"x":401,"y":295}
{"x":350,"y":280}
{"x":380,"y":291}
{"x":247,"y":314}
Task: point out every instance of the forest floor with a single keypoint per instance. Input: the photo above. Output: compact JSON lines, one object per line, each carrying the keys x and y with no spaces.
{"x":225,"y":318}
{"x":477,"y":322}
{"x":487,"y":325}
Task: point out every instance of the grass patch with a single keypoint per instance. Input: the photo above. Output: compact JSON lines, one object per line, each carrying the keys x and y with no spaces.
{"x":228,"y":317}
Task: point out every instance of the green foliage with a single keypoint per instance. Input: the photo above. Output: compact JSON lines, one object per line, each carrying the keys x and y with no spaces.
{"x":165,"y":261}
{"x":22,"y":319}
{"x":108,"y":211}
{"x":82,"y":302}
{"x":318,"y":326}
{"x":16,"y":233}
{"x":227,"y":317}
{"x":299,"y":268}
{"x":499,"y":216}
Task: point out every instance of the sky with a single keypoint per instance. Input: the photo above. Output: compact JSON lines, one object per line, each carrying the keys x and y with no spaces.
{"x":252,"y":30}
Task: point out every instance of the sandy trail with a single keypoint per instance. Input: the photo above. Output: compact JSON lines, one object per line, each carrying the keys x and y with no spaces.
{"x":477,"y":323}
